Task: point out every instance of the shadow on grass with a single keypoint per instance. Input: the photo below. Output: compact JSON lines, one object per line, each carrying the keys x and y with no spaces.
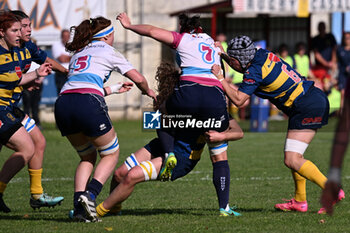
{"x":32,"y":217}
{"x":159,"y":211}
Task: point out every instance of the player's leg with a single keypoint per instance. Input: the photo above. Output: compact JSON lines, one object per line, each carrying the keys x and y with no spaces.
{"x":151,"y":150}
{"x":23,"y":146}
{"x":146,"y":170}
{"x":108,"y":147}
{"x":87,"y":154}
{"x":308,"y":114}
{"x":221,"y":176}
{"x":296,"y":143}
{"x":38,"y":197}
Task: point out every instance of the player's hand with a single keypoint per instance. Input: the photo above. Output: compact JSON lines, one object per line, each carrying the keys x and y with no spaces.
{"x":126,"y":87}
{"x":44,"y":70}
{"x":124,"y":20}
{"x":151,"y":94}
{"x":219,"y":45}
{"x":330,"y":196}
{"x":214,"y":136}
{"x":216,"y":70}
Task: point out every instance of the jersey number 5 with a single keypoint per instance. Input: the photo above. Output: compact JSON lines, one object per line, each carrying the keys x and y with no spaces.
{"x":207,"y":53}
{"x":81,"y":63}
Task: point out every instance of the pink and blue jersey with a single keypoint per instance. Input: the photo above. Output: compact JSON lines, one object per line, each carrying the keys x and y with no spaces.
{"x":90,"y":68}
{"x":196,"y":54}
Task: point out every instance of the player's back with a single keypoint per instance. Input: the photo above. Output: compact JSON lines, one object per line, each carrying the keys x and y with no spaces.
{"x":91,"y":67}
{"x":196,"y":54}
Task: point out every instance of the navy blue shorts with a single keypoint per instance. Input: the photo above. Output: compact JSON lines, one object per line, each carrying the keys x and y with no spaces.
{"x":202,"y":102}
{"x":183,"y":151}
{"x":309,"y":111}
{"x":82,"y":113}
{"x":10,"y":121}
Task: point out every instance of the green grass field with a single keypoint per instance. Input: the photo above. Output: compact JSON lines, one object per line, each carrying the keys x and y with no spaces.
{"x":259,"y":180}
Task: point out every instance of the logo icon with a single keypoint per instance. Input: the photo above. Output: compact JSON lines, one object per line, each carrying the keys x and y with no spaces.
{"x":151,"y":120}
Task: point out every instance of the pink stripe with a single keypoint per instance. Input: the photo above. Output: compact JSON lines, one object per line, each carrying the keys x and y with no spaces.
{"x":204,"y":81}
{"x":83,"y":91}
{"x":177,"y":38}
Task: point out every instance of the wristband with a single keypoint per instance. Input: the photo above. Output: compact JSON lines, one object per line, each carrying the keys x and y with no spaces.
{"x":221,"y":79}
{"x":116,"y":87}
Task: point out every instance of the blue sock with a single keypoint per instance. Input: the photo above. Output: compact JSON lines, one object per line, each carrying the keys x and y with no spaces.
{"x":94,"y":187}
{"x":78,"y":208}
{"x":221,"y":180}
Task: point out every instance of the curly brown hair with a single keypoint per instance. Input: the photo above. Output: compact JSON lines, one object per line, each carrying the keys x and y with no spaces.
{"x":167,"y":77}
{"x":84,"y":32}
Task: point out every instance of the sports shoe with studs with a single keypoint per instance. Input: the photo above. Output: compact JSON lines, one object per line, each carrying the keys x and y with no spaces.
{"x":292,"y":205}
{"x":89,"y":203}
{"x":169,"y":165}
{"x":45,"y":201}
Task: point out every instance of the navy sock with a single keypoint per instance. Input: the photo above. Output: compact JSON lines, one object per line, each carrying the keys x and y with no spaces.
{"x":221,"y":180}
{"x":94,"y":187}
{"x":78,"y":208}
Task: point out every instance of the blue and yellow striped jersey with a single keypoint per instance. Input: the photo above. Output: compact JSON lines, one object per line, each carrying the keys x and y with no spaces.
{"x":10,"y":76}
{"x":269,"y":77}
{"x":27,"y":53}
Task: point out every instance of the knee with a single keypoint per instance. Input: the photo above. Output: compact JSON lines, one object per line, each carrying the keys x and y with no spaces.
{"x":130,"y":179}
{"x":119,"y":174}
{"x":291,"y":160}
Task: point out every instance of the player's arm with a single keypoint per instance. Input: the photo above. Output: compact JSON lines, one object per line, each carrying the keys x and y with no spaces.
{"x":42,"y":71}
{"x":56,"y":66}
{"x":118,"y":88}
{"x":140,"y":82}
{"x":232,"y":92}
{"x":233,"y":133}
{"x":156,"y":33}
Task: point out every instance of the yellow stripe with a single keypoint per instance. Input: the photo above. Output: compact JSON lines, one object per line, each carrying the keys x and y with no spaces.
{"x":28,"y":54}
{"x":266,"y":69}
{"x":151,"y":169}
{"x":4,"y":93}
{"x":196,"y":154}
{"x":144,"y":167}
{"x":18,"y":89}
{"x":9,"y":77}
{"x":298,"y":90}
{"x":4,"y":103}
{"x":280,"y":80}
{"x":5,"y":58}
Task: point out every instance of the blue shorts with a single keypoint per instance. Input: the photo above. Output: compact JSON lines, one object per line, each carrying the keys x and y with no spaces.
{"x":202,"y":102}
{"x":187,"y":154}
{"x":309,"y":111}
{"x":10,"y":121}
{"x":82,"y":113}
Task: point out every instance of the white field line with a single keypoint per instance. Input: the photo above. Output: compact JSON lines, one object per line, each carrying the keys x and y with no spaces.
{"x":189,"y":177}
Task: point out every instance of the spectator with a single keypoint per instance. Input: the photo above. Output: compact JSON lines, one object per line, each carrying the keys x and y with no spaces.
{"x":301,"y":60}
{"x":324,"y":48}
{"x":60,"y":54}
{"x":283,"y":52}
